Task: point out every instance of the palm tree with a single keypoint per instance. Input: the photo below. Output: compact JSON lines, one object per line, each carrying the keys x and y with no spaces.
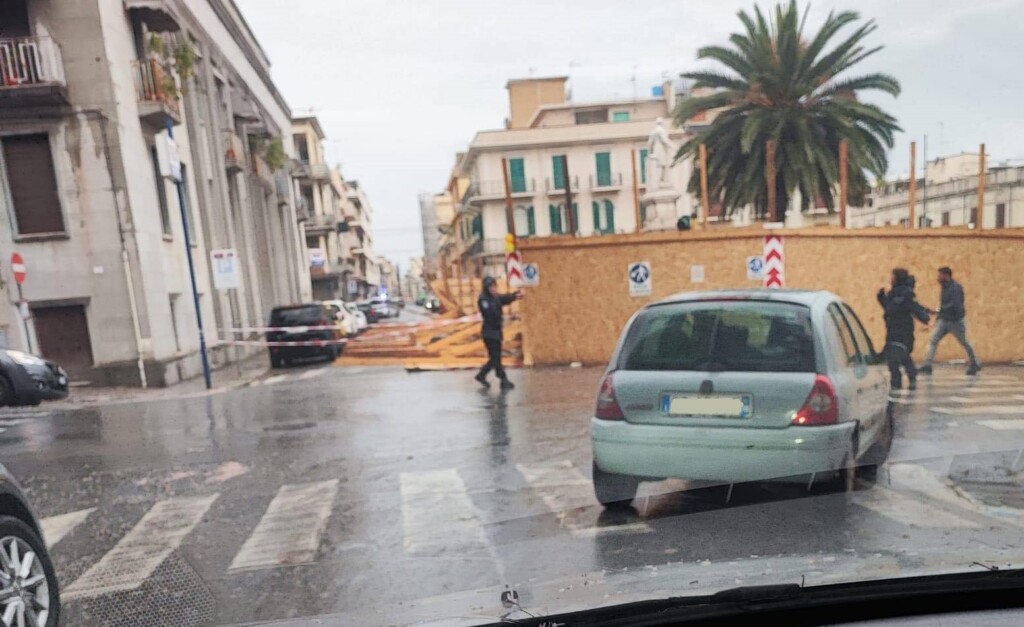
{"x":784,"y":87}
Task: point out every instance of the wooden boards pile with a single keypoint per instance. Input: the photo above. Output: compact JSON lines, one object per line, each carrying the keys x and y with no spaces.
{"x":431,"y":345}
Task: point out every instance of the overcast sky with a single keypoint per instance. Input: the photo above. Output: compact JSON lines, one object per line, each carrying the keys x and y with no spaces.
{"x":401,"y":85}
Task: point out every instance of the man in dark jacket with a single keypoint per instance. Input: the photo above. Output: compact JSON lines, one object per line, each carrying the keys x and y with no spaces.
{"x":900,"y":306}
{"x":490,"y":305}
{"x":951,"y":315}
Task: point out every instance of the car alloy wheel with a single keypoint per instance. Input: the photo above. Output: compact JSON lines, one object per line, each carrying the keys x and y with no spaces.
{"x":24,"y":590}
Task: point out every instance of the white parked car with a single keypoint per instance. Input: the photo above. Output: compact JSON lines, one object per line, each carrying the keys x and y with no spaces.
{"x":361,"y":323}
{"x":737,"y":386}
{"x":346,"y":320}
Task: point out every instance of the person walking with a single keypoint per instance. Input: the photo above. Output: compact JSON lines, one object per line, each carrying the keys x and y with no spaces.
{"x":900,"y":310}
{"x":490,"y":305}
{"x":950,"y":315}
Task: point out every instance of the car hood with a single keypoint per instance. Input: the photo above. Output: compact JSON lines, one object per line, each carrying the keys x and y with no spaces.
{"x":685,"y":578}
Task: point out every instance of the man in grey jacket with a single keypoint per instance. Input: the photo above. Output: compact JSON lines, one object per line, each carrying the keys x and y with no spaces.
{"x":951,"y":315}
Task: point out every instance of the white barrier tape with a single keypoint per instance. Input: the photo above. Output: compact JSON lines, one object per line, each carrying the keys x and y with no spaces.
{"x":295,"y":343}
{"x":429,"y":325}
{"x":328,"y":327}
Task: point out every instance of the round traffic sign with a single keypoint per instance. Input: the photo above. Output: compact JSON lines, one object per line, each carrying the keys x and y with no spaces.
{"x":18,"y":266}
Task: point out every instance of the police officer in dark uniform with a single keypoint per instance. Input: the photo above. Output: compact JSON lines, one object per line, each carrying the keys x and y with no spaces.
{"x":490,"y":305}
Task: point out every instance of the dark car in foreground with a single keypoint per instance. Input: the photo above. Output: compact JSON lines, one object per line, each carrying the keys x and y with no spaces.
{"x":28,"y":583}
{"x":28,"y":380}
{"x":292,"y":324}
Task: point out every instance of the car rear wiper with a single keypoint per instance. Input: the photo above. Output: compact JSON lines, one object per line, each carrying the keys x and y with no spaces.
{"x":794,"y":604}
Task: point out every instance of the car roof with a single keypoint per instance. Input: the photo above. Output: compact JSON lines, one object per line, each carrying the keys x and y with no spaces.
{"x":799,"y":297}
{"x":303,"y":306}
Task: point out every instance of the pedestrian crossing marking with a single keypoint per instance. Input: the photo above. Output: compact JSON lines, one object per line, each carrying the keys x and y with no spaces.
{"x":56,"y":527}
{"x":152,"y":540}
{"x":978,"y":411}
{"x":1003,"y":425}
{"x":438,"y":515}
{"x":904,"y":508}
{"x":289,"y":532}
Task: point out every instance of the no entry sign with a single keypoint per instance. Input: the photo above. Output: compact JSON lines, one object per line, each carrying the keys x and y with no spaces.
{"x":18,"y":267}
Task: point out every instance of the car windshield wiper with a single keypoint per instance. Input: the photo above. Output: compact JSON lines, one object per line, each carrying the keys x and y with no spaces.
{"x":796,"y":604}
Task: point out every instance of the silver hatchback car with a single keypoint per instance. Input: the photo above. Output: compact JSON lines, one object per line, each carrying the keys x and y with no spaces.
{"x":736,"y":386}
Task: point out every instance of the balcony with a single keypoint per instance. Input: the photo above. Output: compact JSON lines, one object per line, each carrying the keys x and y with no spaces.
{"x":303,"y":210}
{"x":496,"y":189}
{"x":320,"y":171}
{"x":610,"y":183}
{"x":487,"y":247}
{"x":329,"y":268}
{"x":157,"y":93}
{"x":558,"y":188}
{"x":234,"y":153}
{"x":157,"y":15}
{"x":31,"y":73}
{"x":324,"y":223}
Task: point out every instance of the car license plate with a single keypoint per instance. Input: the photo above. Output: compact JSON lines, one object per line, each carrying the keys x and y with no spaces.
{"x":728,"y":406}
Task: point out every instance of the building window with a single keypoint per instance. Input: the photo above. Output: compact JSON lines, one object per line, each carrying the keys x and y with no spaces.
{"x":974,"y":216}
{"x":1001,"y":216}
{"x":32,"y":184}
{"x":592,"y":116}
{"x":604,"y":168}
{"x":558,"y":171}
{"x":301,"y":147}
{"x":604,"y":216}
{"x":161,"y":193}
{"x":945,"y":218}
{"x":523,"y":220}
{"x":477,"y":226}
{"x":620,"y":116}
{"x":560,"y":220}
{"x":643,"y":165}
{"x":517,"y":175}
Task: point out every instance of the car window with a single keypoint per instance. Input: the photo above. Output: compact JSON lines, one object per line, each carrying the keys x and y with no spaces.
{"x":297,"y":316}
{"x":845,"y":335}
{"x":867,"y":349}
{"x":721,"y":336}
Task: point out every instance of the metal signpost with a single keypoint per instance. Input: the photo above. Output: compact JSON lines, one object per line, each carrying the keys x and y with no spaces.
{"x":20,"y":274}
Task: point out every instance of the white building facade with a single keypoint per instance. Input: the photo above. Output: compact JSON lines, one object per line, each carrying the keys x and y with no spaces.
{"x":88,"y":196}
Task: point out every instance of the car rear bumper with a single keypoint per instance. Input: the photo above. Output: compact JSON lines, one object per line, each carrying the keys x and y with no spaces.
{"x":718,"y":454}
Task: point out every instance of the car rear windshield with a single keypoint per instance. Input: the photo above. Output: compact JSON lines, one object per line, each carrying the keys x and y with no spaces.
{"x":297,"y":316}
{"x":748,"y":336}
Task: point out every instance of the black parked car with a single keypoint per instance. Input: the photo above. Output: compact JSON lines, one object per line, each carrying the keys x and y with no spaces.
{"x":372,"y":314}
{"x":26,"y":571}
{"x":28,"y":380}
{"x":302,"y":316}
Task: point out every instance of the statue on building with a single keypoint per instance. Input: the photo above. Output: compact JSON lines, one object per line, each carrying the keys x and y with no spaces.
{"x":660,"y":154}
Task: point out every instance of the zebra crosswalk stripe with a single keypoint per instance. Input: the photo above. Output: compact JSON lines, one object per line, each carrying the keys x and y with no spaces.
{"x":289,"y":532}
{"x":56,"y":527}
{"x":437,"y":513}
{"x":134,"y":558}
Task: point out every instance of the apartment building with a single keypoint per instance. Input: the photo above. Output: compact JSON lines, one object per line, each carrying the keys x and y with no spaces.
{"x":90,"y":93}
{"x":364,"y":280}
{"x":596,"y":149}
{"x":947,"y":195}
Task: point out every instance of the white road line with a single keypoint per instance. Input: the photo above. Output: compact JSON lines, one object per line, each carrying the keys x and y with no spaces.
{"x":979,"y":411}
{"x":1003,"y":425}
{"x":904,"y":508}
{"x":309,"y":374}
{"x":56,"y":527}
{"x":968,"y":400}
{"x":627,"y":529}
{"x":277,"y":378}
{"x":15,"y":422}
{"x":289,"y":532}
{"x":437,"y":514}
{"x":134,"y":558}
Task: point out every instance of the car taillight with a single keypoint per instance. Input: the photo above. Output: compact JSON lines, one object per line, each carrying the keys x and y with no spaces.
{"x":607,"y":407}
{"x":821,"y":406}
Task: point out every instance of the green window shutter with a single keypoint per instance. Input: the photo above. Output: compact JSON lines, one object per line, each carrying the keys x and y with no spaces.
{"x":604,"y":168}
{"x":530,"y":221}
{"x":517,"y":174}
{"x":556,"y":219}
{"x":597,"y":216}
{"x":609,"y":211}
{"x":478,"y":225}
{"x":558,"y":171}
{"x":576,"y":215}
{"x":643,"y":216}
{"x":620,"y":116}
{"x":643,"y":165}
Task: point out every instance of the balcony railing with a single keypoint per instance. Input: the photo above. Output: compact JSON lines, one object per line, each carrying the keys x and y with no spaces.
{"x":156,"y":91}
{"x":553,"y":187}
{"x":497,"y":188}
{"x":320,"y":171}
{"x":32,"y":66}
{"x":610,"y":182}
{"x":323,"y":222}
{"x":487,"y":246}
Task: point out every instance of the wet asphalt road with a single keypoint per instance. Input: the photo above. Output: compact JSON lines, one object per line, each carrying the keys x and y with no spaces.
{"x":379,"y":496}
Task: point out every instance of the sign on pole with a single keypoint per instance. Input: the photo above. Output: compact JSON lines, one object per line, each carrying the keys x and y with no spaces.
{"x":774,"y":262}
{"x":639,"y":275}
{"x":531,"y":275}
{"x":514,"y":270}
{"x":173,"y":160}
{"x":317,"y":257}
{"x":755,"y":268}
{"x":226,"y":271}
{"x":18,"y":267}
